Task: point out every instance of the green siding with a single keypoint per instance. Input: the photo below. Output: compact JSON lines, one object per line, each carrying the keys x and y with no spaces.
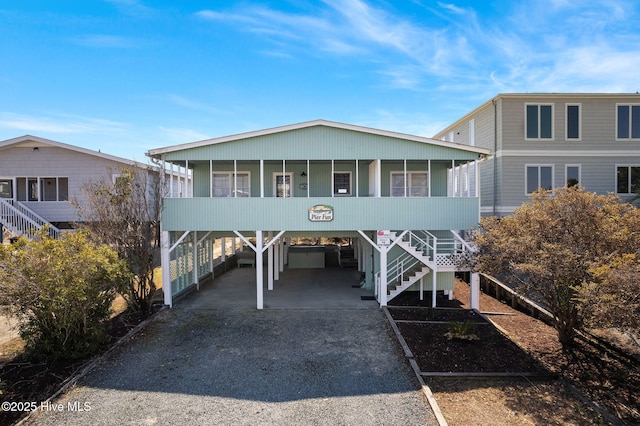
{"x":320,"y":143}
{"x":224,"y":214}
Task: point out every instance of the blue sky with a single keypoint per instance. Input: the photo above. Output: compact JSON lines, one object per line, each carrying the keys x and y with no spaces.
{"x":125,"y":76}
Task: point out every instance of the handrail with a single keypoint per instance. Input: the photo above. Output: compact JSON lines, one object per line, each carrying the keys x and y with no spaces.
{"x":22,"y":220}
{"x":464,"y":242}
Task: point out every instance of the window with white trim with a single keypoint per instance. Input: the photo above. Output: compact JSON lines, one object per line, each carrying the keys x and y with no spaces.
{"x":341,"y":183}
{"x":573,"y":122}
{"x":539,"y":121}
{"x":418,"y":184}
{"x":627,"y":180}
{"x":572,"y":174}
{"x":628,"y":121}
{"x":538,"y":177}
{"x":223,"y":184}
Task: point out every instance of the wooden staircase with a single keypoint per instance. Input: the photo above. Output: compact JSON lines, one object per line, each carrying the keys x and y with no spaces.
{"x":22,"y":221}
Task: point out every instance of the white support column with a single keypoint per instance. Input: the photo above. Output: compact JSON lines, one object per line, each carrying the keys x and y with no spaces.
{"x":187,"y":181}
{"x":474,"y":297}
{"x":434,"y":286}
{"x":234,"y":243}
{"x":259,"y":271}
{"x":212,"y":244}
{"x":429,"y":176}
{"x":308,"y":181}
{"x":357,"y":180}
{"x":223,"y":246}
{"x":379,"y":178}
{"x":196,"y":273}
{"x":276,"y":261}
{"x":383,"y":277}
{"x":421,"y":288}
{"x":170,"y":180}
{"x":261,"y":178}
{"x":166,"y":267}
{"x":281,"y":256}
{"x":210,"y":178}
{"x":406,"y":181}
{"x":270,"y":263}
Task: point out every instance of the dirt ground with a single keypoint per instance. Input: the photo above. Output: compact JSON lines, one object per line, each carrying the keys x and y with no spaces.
{"x":559,"y":397}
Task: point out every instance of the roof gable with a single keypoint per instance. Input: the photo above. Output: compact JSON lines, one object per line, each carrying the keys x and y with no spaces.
{"x":35,"y":141}
{"x":315,"y":133}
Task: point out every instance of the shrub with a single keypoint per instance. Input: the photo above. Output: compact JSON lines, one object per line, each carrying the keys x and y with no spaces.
{"x":61,"y":290}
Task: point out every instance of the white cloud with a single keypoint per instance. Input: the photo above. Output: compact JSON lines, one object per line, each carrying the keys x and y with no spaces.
{"x":59,"y":123}
{"x":105,"y":41}
{"x":179,"y":135}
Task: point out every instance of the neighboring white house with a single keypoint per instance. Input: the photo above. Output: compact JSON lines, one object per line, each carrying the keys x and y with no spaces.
{"x":549,"y":140}
{"x":39,"y":178}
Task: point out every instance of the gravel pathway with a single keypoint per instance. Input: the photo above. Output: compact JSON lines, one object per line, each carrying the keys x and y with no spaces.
{"x":248,"y":367}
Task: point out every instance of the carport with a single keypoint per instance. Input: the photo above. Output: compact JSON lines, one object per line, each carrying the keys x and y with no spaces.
{"x":331,"y":287}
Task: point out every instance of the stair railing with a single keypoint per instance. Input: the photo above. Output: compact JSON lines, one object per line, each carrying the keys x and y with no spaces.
{"x":22,"y":220}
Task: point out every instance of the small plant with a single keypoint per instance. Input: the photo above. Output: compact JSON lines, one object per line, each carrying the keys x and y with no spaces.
{"x":461,"y":331}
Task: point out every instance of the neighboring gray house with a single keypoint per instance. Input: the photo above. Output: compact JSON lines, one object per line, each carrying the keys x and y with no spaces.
{"x":550,"y":140}
{"x":39,"y":177}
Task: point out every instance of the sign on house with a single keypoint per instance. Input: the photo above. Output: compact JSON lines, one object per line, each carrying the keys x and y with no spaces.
{"x":384,"y":238}
{"x":321,"y":213}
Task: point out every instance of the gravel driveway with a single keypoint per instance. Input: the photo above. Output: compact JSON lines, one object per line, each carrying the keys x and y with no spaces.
{"x":249,"y":367}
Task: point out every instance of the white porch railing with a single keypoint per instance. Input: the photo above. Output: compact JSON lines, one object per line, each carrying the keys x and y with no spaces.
{"x":23,"y":221}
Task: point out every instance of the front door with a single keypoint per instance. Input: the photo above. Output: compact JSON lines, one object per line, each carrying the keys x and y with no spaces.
{"x":282,"y":184}
{"x":6,"y":188}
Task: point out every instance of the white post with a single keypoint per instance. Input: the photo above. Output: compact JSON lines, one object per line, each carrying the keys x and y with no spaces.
{"x":234,"y":243}
{"x":259,"y":272}
{"x":276,"y":261}
{"x":421,"y":288}
{"x":429,"y":176}
{"x":357,"y":181}
{"x":474,"y":297}
{"x":434,"y":286}
{"x":270,"y":263}
{"x":261,"y":178}
{"x":196,"y":273}
{"x":281,"y":256}
{"x":212,"y":245}
{"x":378,"y":178}
{"x":166,"y":267}
{"x":223,"y":245}
{"x":210,"y":178}
{"x":383,"y":277}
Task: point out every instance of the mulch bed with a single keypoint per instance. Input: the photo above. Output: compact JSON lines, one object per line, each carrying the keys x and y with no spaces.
{"x":482,"y":348}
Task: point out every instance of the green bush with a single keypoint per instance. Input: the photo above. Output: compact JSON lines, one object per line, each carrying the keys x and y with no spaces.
{"x":61,"y":290}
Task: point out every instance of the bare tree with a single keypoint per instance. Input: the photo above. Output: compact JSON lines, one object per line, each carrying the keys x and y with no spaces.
{"x":551,"y":245}
{"x":125,"y":214}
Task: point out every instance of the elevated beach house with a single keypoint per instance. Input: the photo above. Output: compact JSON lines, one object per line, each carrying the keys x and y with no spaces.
{"x":402,"y":200}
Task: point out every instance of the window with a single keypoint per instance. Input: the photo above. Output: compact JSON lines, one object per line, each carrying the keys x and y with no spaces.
{"x":539,"y":121}
{"x":6,"y":188}
{"x":282,"y":184}
{"x":628,"y":117}
{"x":42,"y":189}
{"x":342,"y":183}
{"x":418,"y":184}
{"x":572,"y":173}
{"x":539,"y":177}
{"x":223,"y":184}
{"x":573,"y":122}
{"x":628,"y":179}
